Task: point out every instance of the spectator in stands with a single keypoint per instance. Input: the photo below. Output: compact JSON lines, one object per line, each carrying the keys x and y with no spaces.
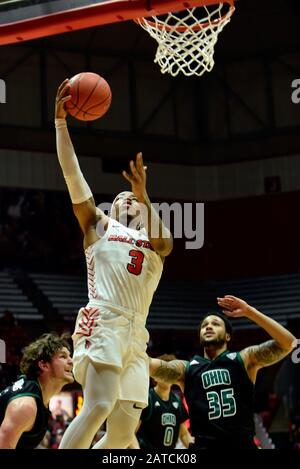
{"x":14,"y":211}
{"x":162,"y":422}
{"x":45,"y":443}
{"x":295,"y":426}
{"x":57,"y":438}
{"x":124,"y":262}
{"x":7,"y":321}
{"x":219,"y":387}
{"x":269,"y":412}
{"x":58,"y":410}
{"x":46,"y":366}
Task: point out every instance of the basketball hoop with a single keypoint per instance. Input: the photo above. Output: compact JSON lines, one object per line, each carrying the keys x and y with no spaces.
{"x":186,"y":39}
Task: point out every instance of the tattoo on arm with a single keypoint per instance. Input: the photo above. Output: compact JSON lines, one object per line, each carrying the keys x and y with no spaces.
{"x":266,"y":353}
{"x":170,"y":372}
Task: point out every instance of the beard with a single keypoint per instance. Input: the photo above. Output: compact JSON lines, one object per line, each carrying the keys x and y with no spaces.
{"x":216,"y":343}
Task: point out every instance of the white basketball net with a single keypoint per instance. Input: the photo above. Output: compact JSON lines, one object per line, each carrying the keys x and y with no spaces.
{"x":185,"y":41}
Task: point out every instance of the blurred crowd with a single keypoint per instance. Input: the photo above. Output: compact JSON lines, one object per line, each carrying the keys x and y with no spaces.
{"x":295,"y":427}
{"x":37,"y":228}
{"x":16,"y":338}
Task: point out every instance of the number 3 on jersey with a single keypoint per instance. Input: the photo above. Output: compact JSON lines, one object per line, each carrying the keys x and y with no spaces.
{"x":137,"y":258}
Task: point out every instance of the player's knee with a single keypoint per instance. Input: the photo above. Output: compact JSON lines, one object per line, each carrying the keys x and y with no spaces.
{"x":103,"y":408}
{"x":98,"y":411}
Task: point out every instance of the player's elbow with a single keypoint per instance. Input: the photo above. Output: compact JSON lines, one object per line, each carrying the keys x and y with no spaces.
{"x":166,"y":251}
{"x":163,"y":246}
{"x":289,"y":343}
{"x":169,"y":247}
{"x":293,"y":343}
{"x":6,"y":440}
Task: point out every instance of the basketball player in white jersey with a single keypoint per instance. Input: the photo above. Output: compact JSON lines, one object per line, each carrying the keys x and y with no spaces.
{"x":124,"y":265}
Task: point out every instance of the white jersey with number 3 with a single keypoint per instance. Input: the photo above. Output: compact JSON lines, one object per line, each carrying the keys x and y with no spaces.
{"x":123,"y":269}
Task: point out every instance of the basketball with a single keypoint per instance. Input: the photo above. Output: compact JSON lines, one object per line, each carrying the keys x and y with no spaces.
{"x":90,"y":96}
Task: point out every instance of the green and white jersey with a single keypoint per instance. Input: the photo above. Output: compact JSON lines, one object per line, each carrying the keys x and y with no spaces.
{"x":161,"y":421}
{"x":21,"y":388}
{"x":219,"y":395}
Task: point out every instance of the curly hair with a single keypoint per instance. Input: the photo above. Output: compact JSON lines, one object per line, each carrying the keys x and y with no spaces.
{"x":167,"y":357}
{"x":44,"y":348}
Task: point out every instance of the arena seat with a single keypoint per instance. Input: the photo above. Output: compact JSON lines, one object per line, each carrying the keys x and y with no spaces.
{"x":180,"y":305}
{"x":67,"y":293}
{"x":13,"y":299}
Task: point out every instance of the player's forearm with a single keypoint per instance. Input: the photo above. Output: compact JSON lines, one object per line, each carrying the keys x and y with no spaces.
{"x":77,"y":186}
{"x":159,"y":370}
{"x":280,"y":334}
{"x":6,"y":441}
{"x":169,"y":372}
{"x":159,"y":236}
{"x":65,"y":150}
{"x":186,"y":438}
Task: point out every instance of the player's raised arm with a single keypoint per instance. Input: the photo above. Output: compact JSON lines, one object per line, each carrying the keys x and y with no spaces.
{"x":159,"y":236}
{"x":79,"y":190}
{"x":267,"y":353}
{"x":172,"y":372}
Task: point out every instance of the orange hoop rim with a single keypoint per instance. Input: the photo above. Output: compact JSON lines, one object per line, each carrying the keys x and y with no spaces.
{"x":196,"y":26}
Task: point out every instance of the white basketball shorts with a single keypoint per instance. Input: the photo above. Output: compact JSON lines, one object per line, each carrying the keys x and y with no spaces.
{"x":104,"y":336}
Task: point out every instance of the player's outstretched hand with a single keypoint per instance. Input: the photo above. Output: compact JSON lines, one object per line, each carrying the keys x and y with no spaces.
{"x":62,"y":96}
{"x":233,"y":307}
{"x":137,"y":178}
